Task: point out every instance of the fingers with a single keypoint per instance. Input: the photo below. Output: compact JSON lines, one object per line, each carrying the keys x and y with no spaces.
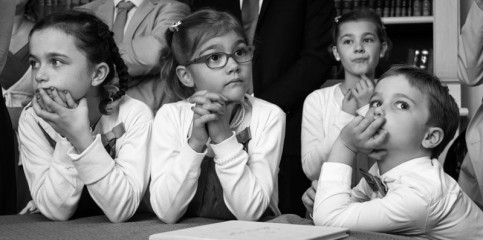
{"x":41,"y":111}
{"x":56,"y":96}
{"x":308,"y":199}
{"x":203,"y":97}
{"x":48,"y":102}
{"x":348,"y":95}
{"x":70,"y":100}
{"x":371,"y":129}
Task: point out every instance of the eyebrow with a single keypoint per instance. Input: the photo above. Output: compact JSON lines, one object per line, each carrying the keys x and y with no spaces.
{"x":237,"y":42}
{"x":405,"y":96}
{"x":50,"y":55}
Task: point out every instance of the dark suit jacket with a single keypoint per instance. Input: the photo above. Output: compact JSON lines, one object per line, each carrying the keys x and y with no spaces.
{"x":291,"y":60}
{"x":8,"y":187}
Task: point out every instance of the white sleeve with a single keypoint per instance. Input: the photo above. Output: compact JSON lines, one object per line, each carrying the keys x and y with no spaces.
{"x":248,"y":178}
{"x":117,"y":185}
{"x":470,"y":52}
{"x":175,"y":166}
{"x":401,"y":209}
{"x":51,"y":175}
{"x":316,"y":142}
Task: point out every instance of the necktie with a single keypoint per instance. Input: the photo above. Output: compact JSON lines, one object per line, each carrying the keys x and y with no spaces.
{"x":120,"y":22}
{"x":250,"y":17}
{"x":374,"y":182}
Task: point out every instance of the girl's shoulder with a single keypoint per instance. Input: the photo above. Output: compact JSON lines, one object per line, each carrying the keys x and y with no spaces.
{"x":264,"y":109}
{"x":322,"y":94}
{"x":133,"y":108}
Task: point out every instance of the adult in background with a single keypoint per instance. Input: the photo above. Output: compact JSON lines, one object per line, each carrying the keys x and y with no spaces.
{"x":139,"y":27}
{"x":291,"y":39}
{"x":470,"y":72}
{"x":8,"y":191}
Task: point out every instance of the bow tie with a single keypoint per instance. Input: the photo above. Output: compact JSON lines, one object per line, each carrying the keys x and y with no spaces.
{"x":374,"y":182}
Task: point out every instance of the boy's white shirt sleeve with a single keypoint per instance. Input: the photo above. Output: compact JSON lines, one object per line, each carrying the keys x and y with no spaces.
{"x":175,"y":166}
{"x":316,"y":141}
{"x":248,"y":178}
{"x":117,"y":186}
{"x":50,"y":174}
{"x":470,"y":52}
{"x":402,"y":209}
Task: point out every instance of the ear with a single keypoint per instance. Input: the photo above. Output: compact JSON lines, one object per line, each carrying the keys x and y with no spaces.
{"x":184,"y":76}
{"x":433,"y":137}
{"x":383,"y":49}
{"x":100,"y":73}
{"x":336,"y":53}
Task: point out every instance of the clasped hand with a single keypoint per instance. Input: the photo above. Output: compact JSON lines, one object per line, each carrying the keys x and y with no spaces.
{"x":359,"y":96}
{"x":210,"y":119}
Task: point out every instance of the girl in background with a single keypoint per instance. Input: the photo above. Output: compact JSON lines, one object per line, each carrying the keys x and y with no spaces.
{"x":83,"y":143}
{"x":215,"y":153}
{"x":359,"y":42}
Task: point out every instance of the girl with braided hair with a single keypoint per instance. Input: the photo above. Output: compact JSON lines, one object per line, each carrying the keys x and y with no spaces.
{"x":83,"y":142}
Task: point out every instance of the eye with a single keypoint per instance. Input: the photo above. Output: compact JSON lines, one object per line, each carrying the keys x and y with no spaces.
{"x":346,"y":41}
{"x":368,"y":40}
{"x":375,"y":103}
{"x":241,"y":52}
{"x":34,"y":64}
{"x":56,"y":62}
{"x":214,"y":58}
{"x":402,"y":105}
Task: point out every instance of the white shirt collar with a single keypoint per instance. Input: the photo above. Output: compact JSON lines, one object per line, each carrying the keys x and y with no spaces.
{"x":136,"y":3}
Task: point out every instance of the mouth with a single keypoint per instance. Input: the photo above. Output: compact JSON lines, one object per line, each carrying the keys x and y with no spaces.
{"x":360,"y":60}
{"x":234,"y":81}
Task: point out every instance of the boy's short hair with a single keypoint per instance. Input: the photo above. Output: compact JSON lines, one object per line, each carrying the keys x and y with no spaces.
{"x":443,"y":110}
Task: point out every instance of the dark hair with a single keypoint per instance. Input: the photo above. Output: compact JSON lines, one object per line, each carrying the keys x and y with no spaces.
{"x":186,"y":36}
{"x":360,"y":15}
{"x":92,"y":36}
{"x":443,"y":110}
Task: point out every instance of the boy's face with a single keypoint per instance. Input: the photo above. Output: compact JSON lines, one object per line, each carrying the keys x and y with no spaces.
{"x":406,"y":111}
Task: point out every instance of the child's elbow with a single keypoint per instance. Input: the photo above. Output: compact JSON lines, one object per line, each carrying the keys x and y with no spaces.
{"x":320,"y":218}
{"x":118,"y":218}
{"x":168,"y":219}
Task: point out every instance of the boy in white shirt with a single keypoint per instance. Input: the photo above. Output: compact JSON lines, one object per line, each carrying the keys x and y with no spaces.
{"x":413,"y":119}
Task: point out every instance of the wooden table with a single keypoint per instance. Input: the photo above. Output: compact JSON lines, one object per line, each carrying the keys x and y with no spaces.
{"x":141,"y":226}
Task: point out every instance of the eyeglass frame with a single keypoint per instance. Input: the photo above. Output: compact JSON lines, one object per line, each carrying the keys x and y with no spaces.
{"x":204,"y":58}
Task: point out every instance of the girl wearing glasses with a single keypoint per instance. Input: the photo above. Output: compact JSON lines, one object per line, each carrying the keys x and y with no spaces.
{"x":216,"y":152}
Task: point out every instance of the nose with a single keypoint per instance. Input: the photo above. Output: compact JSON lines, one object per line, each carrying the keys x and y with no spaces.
{"x":39,"y":75}
{"x":232,"y":66}
{"x":378,"y":112}
{"x":359,"y":48}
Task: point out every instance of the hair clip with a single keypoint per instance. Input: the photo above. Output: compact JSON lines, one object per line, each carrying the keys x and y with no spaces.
{"x":336,"y":19}
{"x":174,"y":26}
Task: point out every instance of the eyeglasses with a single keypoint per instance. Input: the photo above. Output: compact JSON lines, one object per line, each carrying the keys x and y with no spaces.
{"x":219,"y":60}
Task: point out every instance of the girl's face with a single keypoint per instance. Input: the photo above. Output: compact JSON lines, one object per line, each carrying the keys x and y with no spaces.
{"x":231,"y":81}
{"x":57,"y":62}
{"x":358,"y":47}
